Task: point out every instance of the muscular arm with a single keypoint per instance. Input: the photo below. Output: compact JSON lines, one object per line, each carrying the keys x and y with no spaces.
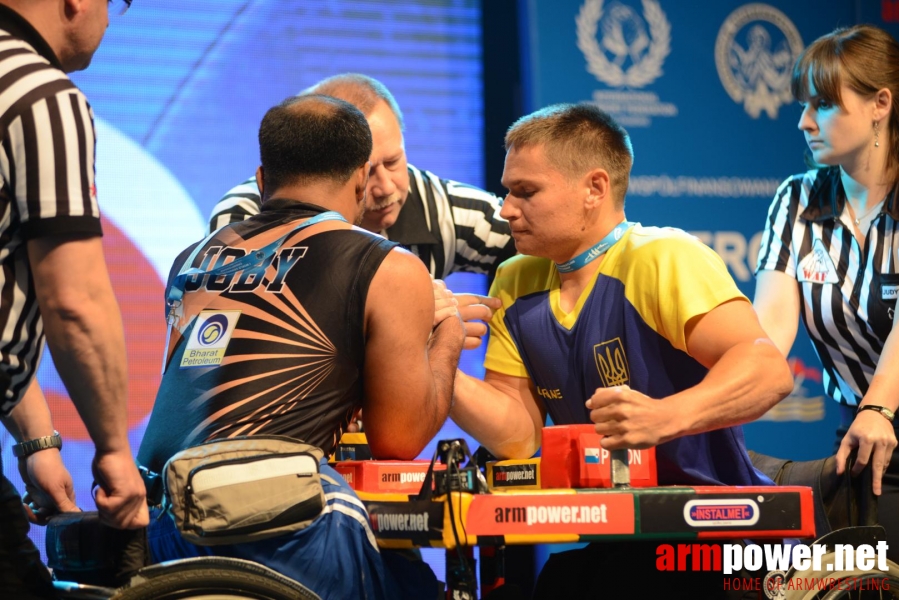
{"x":408,"y":376}
{"x":501,"y":412}
{"x":747,"y":376}
{"x":84,"y":331}
{"x":777,"y":304}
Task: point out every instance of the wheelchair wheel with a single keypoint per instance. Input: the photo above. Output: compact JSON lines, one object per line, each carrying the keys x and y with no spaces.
{"x":213,"y":578}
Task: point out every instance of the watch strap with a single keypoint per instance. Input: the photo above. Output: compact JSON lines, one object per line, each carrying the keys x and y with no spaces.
{"x":886,"y":412}
{"x":36,"y":445}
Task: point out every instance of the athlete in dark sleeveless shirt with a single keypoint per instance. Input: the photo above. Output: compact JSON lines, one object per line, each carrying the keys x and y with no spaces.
{"x":317,"y":319}
{"x":268,"y":356}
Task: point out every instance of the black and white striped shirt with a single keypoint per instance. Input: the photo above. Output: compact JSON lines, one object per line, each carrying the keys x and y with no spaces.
{"x":848,"y":293}
{"x":451,"y":226}
{"x":47,"y":165}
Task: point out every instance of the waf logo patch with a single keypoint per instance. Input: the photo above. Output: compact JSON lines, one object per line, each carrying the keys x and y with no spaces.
{"x":611,"y":363}
{"x":817,"y":266}
{"x":209,"y":339}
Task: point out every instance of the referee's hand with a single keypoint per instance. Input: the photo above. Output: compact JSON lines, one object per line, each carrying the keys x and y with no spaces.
{"x":121,"y":496}
{"x":48,"y":486}
{"x":875,"y":439}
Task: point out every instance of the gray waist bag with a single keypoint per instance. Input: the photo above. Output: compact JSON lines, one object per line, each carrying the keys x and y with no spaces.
{"x":243,"y":489}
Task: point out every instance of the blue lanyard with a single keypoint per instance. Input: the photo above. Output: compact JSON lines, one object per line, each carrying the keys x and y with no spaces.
{"x":254,"y":260}
{"x":588,"y":256}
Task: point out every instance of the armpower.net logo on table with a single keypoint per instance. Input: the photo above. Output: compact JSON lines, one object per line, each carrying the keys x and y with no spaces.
{"x":763,"y":567}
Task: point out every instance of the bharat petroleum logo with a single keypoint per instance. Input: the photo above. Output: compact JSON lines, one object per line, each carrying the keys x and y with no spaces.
{"x":212,"y":330}
{"x":631,"y":48}
{"x":611,"y":362}
{"x":754,"y":53}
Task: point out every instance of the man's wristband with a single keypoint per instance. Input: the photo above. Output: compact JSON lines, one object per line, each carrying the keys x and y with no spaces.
{"x":36,"y":445}
{"x":886,"y":412}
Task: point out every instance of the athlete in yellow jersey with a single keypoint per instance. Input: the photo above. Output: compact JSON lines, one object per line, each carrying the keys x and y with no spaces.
{"x":638,"y":330}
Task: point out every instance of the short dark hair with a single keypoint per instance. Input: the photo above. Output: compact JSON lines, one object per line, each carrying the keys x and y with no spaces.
{"x":578,"y":138}
{"x":306,"y":138}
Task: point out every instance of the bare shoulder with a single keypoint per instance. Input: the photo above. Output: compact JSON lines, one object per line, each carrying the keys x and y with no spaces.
{"x":401,"y":286}
{"x":403,"y":266}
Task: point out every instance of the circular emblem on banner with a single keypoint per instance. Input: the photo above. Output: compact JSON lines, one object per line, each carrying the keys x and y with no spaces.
{"x":630,"y":49}
{"x":775,"y":584}
{"x":755,"y":51}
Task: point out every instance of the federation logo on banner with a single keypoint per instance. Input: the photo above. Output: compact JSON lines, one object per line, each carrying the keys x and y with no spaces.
{"x":755,"y":51}
{"x":625,"y":49}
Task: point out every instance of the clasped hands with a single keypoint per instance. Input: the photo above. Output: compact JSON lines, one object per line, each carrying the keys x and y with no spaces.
{"x":475,"y":311}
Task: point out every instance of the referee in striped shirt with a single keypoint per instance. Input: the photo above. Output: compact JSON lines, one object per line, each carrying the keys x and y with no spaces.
{"x":830,"y":251}
{"x":54,"y":281}
{"x":450,"y":226}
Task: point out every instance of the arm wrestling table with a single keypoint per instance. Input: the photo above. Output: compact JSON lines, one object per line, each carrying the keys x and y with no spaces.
{"x":488,"y":517}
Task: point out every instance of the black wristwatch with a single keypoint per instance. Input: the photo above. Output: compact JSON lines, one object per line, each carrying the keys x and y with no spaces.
{"x":36,"y":445}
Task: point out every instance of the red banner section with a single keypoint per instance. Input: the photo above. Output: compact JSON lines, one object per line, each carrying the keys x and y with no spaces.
{"x":582,"y":514}
{"x":385,"y":476}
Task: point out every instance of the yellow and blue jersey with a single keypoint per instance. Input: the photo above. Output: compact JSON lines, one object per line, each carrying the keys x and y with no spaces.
{"x":627,"y":328}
